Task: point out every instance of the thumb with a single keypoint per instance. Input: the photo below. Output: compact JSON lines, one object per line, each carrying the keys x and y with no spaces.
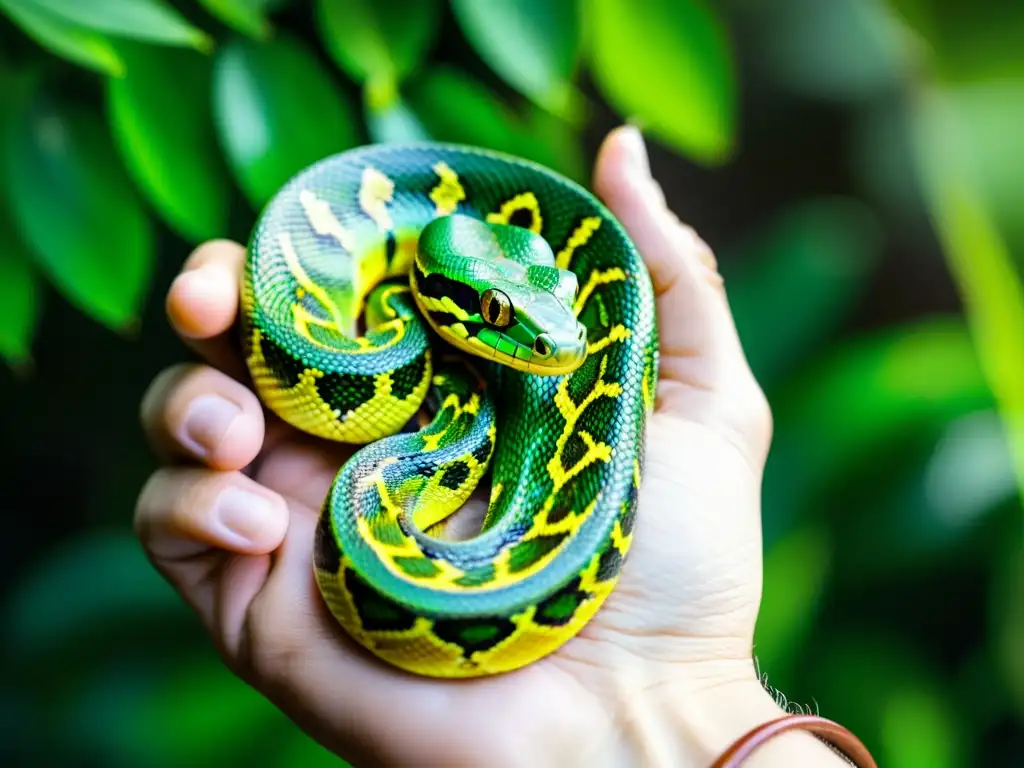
{"x":704,"y":375}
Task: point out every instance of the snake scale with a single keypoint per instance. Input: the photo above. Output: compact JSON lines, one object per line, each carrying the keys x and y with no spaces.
{"x":457,"y":311}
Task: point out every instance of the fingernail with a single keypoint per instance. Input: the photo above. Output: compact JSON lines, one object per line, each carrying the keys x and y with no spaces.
{"x":637,"y":150}
{"x":207,"y":421}
{"x":246,"y":515}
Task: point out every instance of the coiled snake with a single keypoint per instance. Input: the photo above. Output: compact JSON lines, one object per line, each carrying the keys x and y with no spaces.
{"x":537,"y":360}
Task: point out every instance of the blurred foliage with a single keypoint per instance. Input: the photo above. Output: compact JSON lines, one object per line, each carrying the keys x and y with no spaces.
{"x":894,"y":566}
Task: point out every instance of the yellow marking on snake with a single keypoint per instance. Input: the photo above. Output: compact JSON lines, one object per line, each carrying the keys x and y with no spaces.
{"x":449,"y":192}
{"x":324,"y":222}
{"x":597,"y":278}
{"x":617,"y":333}
{"x":375,"y":192}
{"x":379,"y":416}
{"x":527,"y":201}
{"x":580,"y":237}
{"x":646,"y":388}
{"x":302,"y":316}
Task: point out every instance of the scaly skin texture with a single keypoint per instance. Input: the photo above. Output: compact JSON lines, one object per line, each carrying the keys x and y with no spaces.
{"x":558,"y":419}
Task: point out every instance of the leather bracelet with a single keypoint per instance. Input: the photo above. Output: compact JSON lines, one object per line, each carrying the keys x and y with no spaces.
{"x":833,"y":734}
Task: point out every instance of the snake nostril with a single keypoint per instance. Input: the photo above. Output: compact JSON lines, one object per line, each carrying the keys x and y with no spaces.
{"x":540,"y":346}
{"x":582,"y":334}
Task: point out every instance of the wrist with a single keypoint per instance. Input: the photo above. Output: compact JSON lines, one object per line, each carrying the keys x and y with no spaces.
{"x":690,"y":719}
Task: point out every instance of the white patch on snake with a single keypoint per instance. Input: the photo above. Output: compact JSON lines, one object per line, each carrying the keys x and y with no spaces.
{"x":375,"y":192}
{"x":323,"y":220}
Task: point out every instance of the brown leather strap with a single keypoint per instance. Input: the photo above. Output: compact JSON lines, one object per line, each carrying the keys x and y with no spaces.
{"x":831,"y":733}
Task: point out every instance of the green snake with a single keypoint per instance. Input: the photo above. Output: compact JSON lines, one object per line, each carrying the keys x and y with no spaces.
{"x":457,"y":312}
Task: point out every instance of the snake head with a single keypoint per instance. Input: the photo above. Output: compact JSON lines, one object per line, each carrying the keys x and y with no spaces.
{"x":492,"y":290}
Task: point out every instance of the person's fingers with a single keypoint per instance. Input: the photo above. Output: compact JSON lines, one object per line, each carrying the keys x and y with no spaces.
{"x":199,"y":413}
{"x":210,"y":534}
{"x":202,"y":303}
{"x":704,"y":374}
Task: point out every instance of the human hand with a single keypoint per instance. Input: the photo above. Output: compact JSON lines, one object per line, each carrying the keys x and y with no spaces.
{"x":662,"y":675}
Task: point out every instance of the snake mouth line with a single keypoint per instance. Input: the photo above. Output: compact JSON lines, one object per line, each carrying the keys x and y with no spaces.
{"x":518,"y":364}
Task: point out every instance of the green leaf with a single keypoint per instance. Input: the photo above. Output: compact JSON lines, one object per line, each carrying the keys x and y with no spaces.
{"x":968,"y":42}
{"x":913,"y":719}
{"x":454,"y":107}
{"x":377,"y":39}
{"x":300,"y":749}
{"x":794,"y":578}
{"x":667,"y":65}
{"x":842,"y":50}
{"x":978,"y":256}
{"x":163,"y":713}
{"x":850,"y":407}
{"x":161,"y":119}
{"x":532,"y":44}
{"x":246,"y":16}
{"x":150,"y":20}
{"x":977,"y":123}
{"x":551,"y":141}
{"x":269,"y":127}
{"x":19,"y":298}
{"x":822,"y":251}
{"x":222,"y":714}
{"x":121,"y":584}
{"x":76,"y":210}
{"x":74,"y":43}
{"x":1006,"y":608}
{"x":944,"y":507}
{"x":389,"y":120}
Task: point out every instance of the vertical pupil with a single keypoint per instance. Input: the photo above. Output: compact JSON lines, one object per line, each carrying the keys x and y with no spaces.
{"x":494,"y":309}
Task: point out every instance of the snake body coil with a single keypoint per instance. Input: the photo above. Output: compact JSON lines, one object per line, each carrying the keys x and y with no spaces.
{"x":537,"y":360}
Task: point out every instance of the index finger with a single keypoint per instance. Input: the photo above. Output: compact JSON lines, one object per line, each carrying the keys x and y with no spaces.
{"x":202,"y":304}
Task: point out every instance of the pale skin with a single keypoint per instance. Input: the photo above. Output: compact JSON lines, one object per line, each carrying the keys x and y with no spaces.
{"x":662,"y":676}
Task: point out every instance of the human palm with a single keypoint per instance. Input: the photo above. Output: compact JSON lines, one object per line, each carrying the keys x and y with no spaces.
{"x":235,"y":533}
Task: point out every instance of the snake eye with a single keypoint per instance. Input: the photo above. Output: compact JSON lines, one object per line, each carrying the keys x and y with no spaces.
{"x":496,"y":308}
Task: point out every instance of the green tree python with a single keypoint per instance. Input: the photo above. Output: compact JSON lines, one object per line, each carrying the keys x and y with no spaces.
{"x":506,"y":308}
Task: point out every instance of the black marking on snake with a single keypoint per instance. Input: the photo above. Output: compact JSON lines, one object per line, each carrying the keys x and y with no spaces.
{"x":526,"y":553}
{"x":523,"y":217}
{"x":627,"y":517}
{"x":437,"y":286}
{"x":282,"y":365}
{"x":455,"y":475}
{"x":390,"y":248}
{"x":472,"y":327}
{"x":560,"y":512}
{"x":473,"y":635}
{"x":483,"y":451}
{"x":426,"y":469}
{"x":573,"y":451}
{"x":345,"y":391}
{"x":610,"y":564}
{"x":584,"y":485}
{"x":559,"y":609}
{"x":326,"y":554}
{"x":583,"y":379}
{"x":405,"y":380}
{"x":376,"y":612}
